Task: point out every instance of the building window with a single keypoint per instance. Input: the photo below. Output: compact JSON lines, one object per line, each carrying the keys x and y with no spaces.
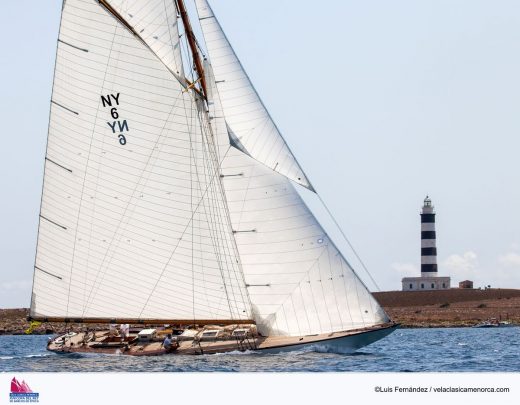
{"x":433,"y":286}
{"x":422,"y":285}
{"x":443,"y":285}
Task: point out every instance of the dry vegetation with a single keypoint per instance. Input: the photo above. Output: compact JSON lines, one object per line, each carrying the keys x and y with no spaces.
{"x":14,"y":322}
{"x":455,"y":307}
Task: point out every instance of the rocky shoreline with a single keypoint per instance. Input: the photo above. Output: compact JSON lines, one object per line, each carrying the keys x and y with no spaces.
{"x":14,"y":321}
{"x":450,"y":308}
{"x":420,"y":309}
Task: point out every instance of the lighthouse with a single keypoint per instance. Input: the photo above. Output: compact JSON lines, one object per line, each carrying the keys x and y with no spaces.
{"x":428,"y":240}
{"x":429,"y":279}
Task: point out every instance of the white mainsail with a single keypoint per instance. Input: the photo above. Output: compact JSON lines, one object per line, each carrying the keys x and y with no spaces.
{"x":133,"y":219}
{"x":158,"y":204}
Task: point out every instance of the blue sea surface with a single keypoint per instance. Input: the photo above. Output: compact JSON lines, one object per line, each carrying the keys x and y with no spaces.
{"x":407,"y":350}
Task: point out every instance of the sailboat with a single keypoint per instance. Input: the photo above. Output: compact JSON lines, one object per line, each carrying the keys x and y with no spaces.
{"x":171,"y":203}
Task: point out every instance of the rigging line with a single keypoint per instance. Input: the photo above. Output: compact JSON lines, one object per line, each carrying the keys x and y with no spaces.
{"x":211,"y":211}
{"x":209,"y":148}
{"x":216,"y":27}
{"x":197,"y":124}
{"x":200,"y":48}
{"x":127,"y":298}
{"x":252,"y":170}
{"x":225,"y":236}
{"x":224,"y":214}
{"x":348,"y":241}
{"x":219,"y":241}
{"x":216,"y":145}
{"x":323,"y":294}
{"x":233,"y":240}
{"x":334,"y":287}
{"x":236,"y":263}
{"x":285,"y":316}
{"x":183,"y":41}
{"x":218,"y":234}
{"x":115,"y":65}
{"x":181,"y":68}
{"x":302,"y":279}
{"x":194,"y":130}
{"x":358,"y":300}
{"x":86,"y":171}
{"x":345,"y":288}
{"x":314,"y":303}
{"x":138,"y":184}
{"x":212,"y":151}
{"x":305,"y":309}
{"x":190,"y":134}
{"x":176,"y":246}
{"x":124,"y":23}
{"x":125,"y":274}
{"x":207,"y":222}
{"x":296,"y":315}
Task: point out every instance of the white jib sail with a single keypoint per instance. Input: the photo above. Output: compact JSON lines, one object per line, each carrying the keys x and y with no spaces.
{"x":246,"y":115}
{"x":298,"y":281}
{"x":133,"y":221}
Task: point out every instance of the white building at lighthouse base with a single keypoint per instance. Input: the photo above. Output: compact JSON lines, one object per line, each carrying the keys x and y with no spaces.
{"x":424,"y":283}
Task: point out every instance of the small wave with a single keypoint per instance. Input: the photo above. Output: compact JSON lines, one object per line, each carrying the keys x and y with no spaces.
{"x":462,"y":344}
{"x":324,"y":348}
{"x":6,"y":357}
{"x":37,"y":355}
{"x":237,"y":353}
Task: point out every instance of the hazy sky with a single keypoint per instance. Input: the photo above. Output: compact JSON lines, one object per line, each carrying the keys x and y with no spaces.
{"x":382,"y":102}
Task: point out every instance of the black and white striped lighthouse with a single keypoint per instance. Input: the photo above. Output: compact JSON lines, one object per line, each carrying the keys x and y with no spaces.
{"x":428,"y":240}
{"x":429,"y":279}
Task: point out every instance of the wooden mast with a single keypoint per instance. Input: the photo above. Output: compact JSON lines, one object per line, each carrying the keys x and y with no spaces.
{"x":193,"y":46}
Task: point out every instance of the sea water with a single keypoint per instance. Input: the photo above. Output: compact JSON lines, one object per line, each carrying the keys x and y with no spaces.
{"x":457,"y":349}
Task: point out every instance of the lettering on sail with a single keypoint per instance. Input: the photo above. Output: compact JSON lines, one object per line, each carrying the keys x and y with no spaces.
{"x":119,"y":126}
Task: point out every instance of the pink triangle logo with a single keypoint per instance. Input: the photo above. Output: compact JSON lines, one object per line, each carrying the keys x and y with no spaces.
{"x":18,"y":387}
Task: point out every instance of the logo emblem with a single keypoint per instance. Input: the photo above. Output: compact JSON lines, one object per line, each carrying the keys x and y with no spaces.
{"x":21,"y":392}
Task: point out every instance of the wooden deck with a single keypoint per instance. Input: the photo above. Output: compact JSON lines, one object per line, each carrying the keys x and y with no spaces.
{"x":79,"y":343}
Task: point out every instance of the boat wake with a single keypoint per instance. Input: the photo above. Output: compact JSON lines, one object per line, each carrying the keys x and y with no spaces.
{"x":237,"y":353}
{"x":27,"y":356}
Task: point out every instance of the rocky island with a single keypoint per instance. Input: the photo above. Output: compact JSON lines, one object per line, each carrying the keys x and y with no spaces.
{"x":412,"y":309}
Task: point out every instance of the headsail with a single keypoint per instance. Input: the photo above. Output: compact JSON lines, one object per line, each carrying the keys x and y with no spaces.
{"x":133,"y":222}
{"x":298,"y":281}
{"x":247,"y":118}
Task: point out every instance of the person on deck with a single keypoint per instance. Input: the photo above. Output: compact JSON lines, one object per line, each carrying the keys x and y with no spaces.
{"x":124,"y":328}
{"x":167,"y":342}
